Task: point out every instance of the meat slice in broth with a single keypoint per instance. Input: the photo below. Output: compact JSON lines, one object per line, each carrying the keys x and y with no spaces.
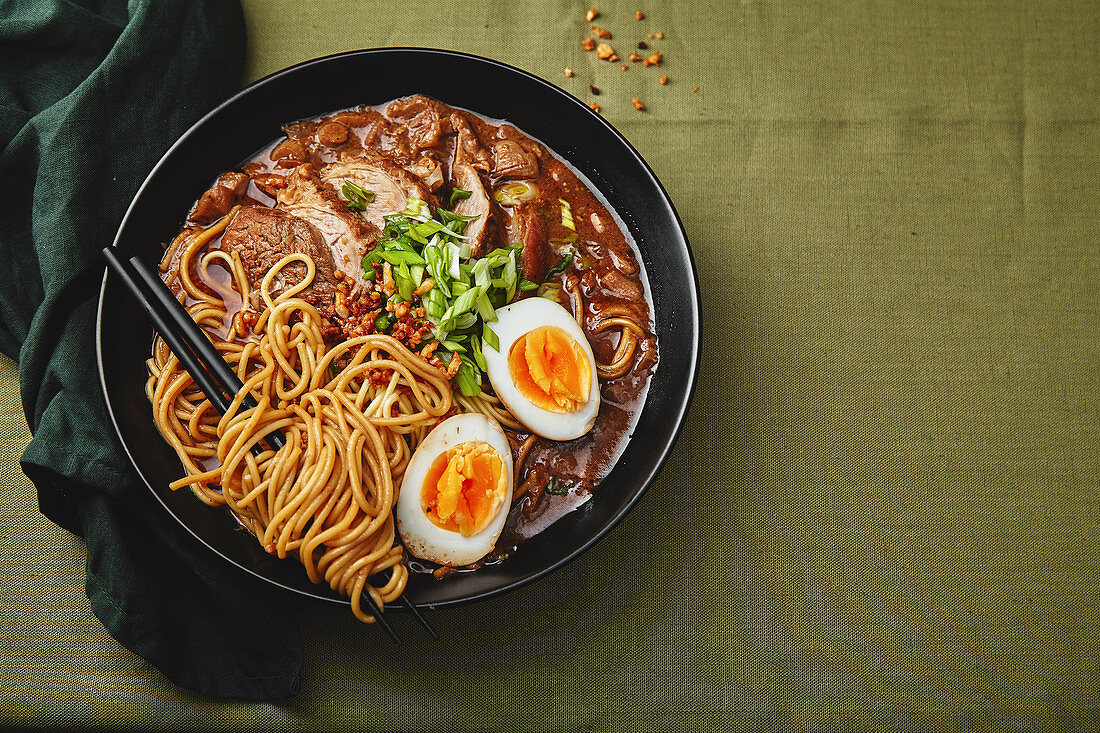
{"x":263,"y":236}
{"x":527,"y":227}
{"x":468,"y":147}
{"x":421,"y":123}
{"x":391,"y":185}
{"x":476,"y":204}
{"x":216,"y":203}
{"x":347,"y":236}
{"x":429,"y":171}
{"x":513,"y":161}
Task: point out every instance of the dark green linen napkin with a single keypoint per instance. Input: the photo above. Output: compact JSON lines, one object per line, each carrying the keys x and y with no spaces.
{"x":92,"y":94}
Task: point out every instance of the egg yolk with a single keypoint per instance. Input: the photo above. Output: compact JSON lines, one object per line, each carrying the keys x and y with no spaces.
{"x":550,"y":369}
{"x":464,"y":488}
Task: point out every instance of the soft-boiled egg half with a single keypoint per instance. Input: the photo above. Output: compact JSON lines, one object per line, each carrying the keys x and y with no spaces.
{"x":543,"y":370}
{"x":456,"y":491}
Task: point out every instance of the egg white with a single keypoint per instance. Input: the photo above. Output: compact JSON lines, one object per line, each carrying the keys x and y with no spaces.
{"x":515,"y":320}
{"x":422,"y":537}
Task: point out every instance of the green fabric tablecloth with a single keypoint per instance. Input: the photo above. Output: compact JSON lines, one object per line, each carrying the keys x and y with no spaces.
{"x":884,"y":512}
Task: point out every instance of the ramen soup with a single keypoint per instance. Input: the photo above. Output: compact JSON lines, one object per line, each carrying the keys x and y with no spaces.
{"x":449,"y":327}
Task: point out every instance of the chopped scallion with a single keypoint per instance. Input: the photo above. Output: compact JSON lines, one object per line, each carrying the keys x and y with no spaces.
{"x":567,"y":215}
{"x":357,"y":196}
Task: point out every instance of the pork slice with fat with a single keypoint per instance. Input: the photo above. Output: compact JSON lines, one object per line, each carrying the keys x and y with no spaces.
{"x":476,"y":204}
{"x":391,"y":185}
{"x":347,"y":236}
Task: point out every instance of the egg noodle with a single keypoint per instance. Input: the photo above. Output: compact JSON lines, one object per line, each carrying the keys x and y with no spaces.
{"x":352,"y":415}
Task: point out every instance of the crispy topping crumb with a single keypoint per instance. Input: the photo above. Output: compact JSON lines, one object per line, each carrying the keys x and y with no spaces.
{"x":694,"y":89}
{"x":663,"y":79}
{"x":602,"y":32}
{"x":660,"y":35}
{"x":594,"y":107}
{"x":593,"y":88}
{"x":568,"y":72}
{"x":649,"y":36}
{"x":588,"y":44}
{"x":637,"y":104}
{"x":591,"y":15}
{"x":635,"y":56}
{"x":625,"y":67}
{"x":638,"y":15}
{"x":653,"y":59}
{"x":604,"y":51}
{"x":643,"y":45}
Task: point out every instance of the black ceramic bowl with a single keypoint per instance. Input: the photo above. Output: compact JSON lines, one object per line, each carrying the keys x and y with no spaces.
{"x":252,"y":120}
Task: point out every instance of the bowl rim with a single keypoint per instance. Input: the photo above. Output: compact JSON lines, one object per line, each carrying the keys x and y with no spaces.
{"x":693,"y":347}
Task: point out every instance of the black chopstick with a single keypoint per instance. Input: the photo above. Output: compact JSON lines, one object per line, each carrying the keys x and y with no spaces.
{"x":211,"y":373}
{"x":180,"y":321}
{"x":404,"y":601}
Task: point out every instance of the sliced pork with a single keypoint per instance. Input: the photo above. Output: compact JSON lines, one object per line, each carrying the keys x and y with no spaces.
{"x":477,"y":204}
{"x":468,"y":147}
{"x":347,"y":236}
{"x":391,"y":185}
{"x":229,"y":189}
{"x":421,"y":123}
{"x":527,"y":227}
{"x":513,"y":161}
{"x":263,"y":236}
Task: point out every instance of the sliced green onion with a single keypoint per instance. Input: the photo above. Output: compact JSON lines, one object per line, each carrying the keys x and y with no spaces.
{"x":489,"y":336}
{"x":560,"y":267}
{"x":383,"y":321}
{"x":481,"y":272}
{"x":402,"y":257}
{"x":467,"y":300}
{"x":468,"y":378}
{"x":435,"y":304}
{"x":485,"y":308}
{"x":511,"y":194}
{"x":457,"y":194}
{"x":557,"y":487}
{"x":567,"y":215}
{"x":405,"y":285}
{"x":479,"y":357}
{"x":550,"y":291}
{"x":357,"y":196}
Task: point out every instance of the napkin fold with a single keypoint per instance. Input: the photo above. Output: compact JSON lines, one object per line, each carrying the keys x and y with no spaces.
{"x":91,"y":95}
